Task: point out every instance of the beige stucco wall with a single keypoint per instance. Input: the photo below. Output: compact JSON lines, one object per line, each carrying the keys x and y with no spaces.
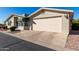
{"x":65,"y":25}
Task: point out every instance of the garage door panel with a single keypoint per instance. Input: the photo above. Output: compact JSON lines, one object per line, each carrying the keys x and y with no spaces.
{"x":48,"y":24}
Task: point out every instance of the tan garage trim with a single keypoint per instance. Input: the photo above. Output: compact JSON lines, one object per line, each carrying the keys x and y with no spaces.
{"x":46,"y":17}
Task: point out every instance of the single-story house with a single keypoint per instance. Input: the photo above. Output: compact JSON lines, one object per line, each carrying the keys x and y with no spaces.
{"x":51,"y":20}
{"x":19,"y":21}
{"x":45,"y":19}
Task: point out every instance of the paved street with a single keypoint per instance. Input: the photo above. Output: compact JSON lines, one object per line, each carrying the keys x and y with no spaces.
{"x":10,"y":43}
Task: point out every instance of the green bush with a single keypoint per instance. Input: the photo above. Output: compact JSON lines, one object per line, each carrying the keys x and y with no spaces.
{"x":12,"y":28}
{"x":75,"y":26}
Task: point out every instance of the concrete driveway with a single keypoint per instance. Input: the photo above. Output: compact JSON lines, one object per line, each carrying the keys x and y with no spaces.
{"x":53,"y":40}
{"x":10,"y":43}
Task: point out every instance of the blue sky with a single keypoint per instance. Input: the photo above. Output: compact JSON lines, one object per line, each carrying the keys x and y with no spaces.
{"x":6,"y":11}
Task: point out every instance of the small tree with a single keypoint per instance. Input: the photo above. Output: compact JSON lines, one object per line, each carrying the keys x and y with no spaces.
{"x":25,"y":20}
{"x":75,"y":25}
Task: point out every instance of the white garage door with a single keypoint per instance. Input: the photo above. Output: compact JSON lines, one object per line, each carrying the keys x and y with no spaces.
{"x":48,"y":24}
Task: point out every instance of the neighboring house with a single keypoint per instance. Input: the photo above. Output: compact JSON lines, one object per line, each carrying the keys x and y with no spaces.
{"x":2,"y":27}
{"x":44,"y":19}
{"x":51,"y":20}
{"x":19,"y":21}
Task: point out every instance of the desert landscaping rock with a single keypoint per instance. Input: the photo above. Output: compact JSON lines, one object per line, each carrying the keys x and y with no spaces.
{"x":73,"y":40}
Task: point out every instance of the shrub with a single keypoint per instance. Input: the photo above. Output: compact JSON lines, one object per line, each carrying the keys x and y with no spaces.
{"x":12,"y":28}
{"x":75,"y":26}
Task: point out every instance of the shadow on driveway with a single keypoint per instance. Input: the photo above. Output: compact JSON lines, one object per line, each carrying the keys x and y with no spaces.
{"x":10,"y":43}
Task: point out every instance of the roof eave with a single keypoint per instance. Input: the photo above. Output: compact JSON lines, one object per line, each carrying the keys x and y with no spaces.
{"x":62,"y":10}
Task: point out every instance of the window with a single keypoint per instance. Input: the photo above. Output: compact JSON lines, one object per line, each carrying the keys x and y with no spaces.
{"x":20,"y":23}
{"x":15,"y":18}
{"x":9,"y":23}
